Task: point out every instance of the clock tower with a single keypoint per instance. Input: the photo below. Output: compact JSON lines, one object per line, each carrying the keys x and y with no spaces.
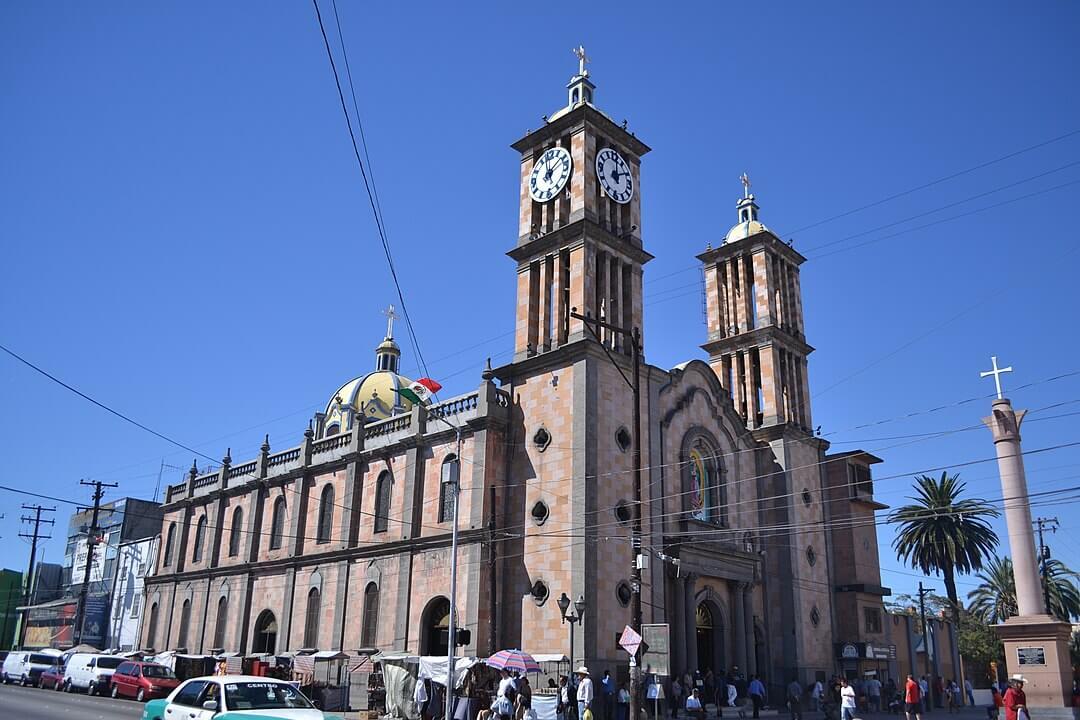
{"x":579,"y":229}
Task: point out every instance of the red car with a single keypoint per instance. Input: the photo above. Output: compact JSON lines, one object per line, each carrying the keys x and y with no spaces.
{"x":143,"y":681}
{"x":53,"y":677}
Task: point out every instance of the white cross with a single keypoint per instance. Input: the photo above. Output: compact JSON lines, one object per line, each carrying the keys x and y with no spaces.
{"x":390,"y":315}
{"x":745,"y":180}
{"x":996,"y":372}
{"x":579,"y":51}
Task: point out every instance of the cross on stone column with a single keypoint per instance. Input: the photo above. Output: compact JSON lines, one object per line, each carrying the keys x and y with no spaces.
{"x":996,"y":372}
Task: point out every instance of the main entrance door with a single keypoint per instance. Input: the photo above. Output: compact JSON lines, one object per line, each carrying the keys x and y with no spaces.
{"x":710,"y":639}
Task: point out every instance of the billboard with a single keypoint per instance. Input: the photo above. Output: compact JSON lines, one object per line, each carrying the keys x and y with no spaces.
{"x":78,"y":567}
{"x":53,"y":625}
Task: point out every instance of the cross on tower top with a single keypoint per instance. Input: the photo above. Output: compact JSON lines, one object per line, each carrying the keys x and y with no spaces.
{"x":745,"y":180}
{"x":996,"y":372}
{"x":579,"y":51}
{"x":390,"y":316}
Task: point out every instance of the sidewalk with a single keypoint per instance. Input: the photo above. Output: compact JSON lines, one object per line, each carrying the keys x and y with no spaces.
{"x":964,"y":713}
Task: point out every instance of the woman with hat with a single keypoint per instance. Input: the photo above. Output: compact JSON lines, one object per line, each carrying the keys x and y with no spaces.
{"x":1016,"y":700}
{"x":585,"y":693}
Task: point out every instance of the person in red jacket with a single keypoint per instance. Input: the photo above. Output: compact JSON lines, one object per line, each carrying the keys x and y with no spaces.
{"x":912,"y":699}
{"x":1015,"y":700}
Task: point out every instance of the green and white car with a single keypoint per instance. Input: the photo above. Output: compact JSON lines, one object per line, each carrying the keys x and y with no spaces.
{"x":234,"y":697}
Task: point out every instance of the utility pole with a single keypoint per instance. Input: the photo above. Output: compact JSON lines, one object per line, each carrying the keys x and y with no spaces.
{"x":91,"y":541}
{"x":925,"y":630}
{"x":634,"y":336}
{"x":34,"y":537}
{"x":1044,"y":555}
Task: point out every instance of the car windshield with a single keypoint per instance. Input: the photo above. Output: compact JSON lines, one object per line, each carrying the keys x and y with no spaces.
{"x":157,"y":671}
{"x":109,"y":663}
{"x":263,"y":696}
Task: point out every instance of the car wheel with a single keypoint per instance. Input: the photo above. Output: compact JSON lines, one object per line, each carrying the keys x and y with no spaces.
{"x":22,"y":681}
{"x":67,"y":686}
{"x":115,"y":692}
{"x":140,"y":696}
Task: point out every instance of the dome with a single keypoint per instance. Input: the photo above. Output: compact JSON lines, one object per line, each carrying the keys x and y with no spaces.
{"x":744,"y":230}
{"x":371,"y":395}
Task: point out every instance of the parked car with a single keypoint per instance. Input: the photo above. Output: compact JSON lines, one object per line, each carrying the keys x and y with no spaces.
{"x":25,"y":667}
{"x":54,"y":676}
{"x":239,"y":697}
{"x":143,"y":680}
{"x":90,"y":672}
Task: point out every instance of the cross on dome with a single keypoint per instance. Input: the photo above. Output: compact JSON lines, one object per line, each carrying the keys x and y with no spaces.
{"x":390,"y":317}
{"x":745,"y":180}
{"x":997,"y":373}
{"x":579,"y":52}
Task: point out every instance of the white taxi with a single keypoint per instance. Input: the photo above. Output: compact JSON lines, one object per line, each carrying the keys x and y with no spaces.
{"x":240,"y":696}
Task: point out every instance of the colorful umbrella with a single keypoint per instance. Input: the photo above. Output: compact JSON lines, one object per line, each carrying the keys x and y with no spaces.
{"x":513,"y":660}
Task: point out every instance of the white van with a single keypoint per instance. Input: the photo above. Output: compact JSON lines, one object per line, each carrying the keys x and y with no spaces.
{"x":90,"y":672}
{"x":25,"y":667}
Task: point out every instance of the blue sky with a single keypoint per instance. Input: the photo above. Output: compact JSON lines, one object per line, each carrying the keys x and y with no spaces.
{"x":186,"y":238}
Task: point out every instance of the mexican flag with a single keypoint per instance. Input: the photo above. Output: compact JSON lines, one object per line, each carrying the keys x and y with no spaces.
{"x":420,"y":392}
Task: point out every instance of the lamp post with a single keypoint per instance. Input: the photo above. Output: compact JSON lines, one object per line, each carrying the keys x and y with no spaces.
{"x":579,"y":606}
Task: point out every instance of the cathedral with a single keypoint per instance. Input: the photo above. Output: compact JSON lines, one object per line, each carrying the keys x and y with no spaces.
{"x":757,"y":547}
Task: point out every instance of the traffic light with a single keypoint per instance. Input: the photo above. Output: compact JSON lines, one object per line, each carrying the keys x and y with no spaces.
{"x":464,"y":637}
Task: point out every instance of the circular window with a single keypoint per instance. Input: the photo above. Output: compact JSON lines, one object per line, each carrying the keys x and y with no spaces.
{"x":541,"y":439}
{"x":811,"y":556}
{"x":539,"y":592}
{"x":623,"y":593}
{"x":815,"y":616}
{"x":623,"y":439}
{"x":540,"y":512}
{"x":624,"y":512}
{"x":807,"y":498}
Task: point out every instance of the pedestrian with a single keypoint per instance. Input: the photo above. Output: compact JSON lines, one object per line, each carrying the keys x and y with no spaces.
{"x":694,"y":708}
{"x":873,"y":693}
{"x":720,"y":698}
{"x":584,"y":694}
{"x":924,"y":689}
{"x":623,"y":704}
{"x":969,"y":690}
{"x":607,"y":687}
{"x":732,"y":696}
{"x":847,"y":700}
{"x":1016,"y":700}
{"x":562,"y":704}
{"x":794,"y":699}
{"x":757,"y":694}
{"x":676,"y":696}
{"x":815,"y":696}
{"x":996,"y":703}
{"x":912,"y":698}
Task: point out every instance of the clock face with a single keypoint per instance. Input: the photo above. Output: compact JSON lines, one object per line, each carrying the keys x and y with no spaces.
{"x":614,"y":176}
{"x":550,"y":174}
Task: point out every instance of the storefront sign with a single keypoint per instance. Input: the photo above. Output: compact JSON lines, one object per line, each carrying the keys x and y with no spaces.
{"x":1031,"y":656}
{"x":849,"y":651}
{"x":654,"y":657}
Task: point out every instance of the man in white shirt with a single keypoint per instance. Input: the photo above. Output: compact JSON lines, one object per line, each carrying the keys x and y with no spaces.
{"x":693,"y":706}
{"x":584,"y":691}
{"x":847,"y":700}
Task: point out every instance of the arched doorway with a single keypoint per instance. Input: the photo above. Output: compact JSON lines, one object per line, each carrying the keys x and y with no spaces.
{"x":435,"y":628}
{"x":710,"y":638}
{"x":265,"y":640}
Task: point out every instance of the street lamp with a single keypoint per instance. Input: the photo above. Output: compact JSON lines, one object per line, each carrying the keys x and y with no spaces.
{"x":579,"y":606}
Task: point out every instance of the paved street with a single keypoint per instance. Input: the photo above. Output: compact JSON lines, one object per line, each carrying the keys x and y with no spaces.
{"x":19,"y":703}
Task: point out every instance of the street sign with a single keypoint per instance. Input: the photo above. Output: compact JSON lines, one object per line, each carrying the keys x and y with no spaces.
{"x":655,"y":659}
{"x":630,"y":641}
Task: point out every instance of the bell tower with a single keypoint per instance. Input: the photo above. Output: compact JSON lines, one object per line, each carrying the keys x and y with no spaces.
{"x":756,"y":341}
{"x":579,"y":231}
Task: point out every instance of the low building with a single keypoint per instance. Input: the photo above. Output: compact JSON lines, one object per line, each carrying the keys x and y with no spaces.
{"x":11,"y":590}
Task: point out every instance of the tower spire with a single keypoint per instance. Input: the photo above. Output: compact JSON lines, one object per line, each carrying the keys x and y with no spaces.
{"x":388,"y":354}
{"x":581,"y":88}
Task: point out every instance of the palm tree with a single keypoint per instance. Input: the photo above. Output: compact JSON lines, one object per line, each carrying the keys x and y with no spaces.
{"x":994,"y":600}
{"x":942,"y":533}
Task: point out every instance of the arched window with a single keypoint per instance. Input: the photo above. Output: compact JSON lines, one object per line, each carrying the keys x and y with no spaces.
{"x":311,"y":618}
{"x":324,"y":528}
{"x":435,"y":628}
{"x":235,"y":530}
{"x":447,"y":491}
{"x":382,"y":502}
{"x":151,"y":628}
{"x":185,"y":624}
{"x":369,"y":628}
{"x":277,"y":524}
{"x":706,"y":492}
{"x":701,"y":501}
{"x":170,"y":541}
{"x":219,"y":622}
{"x":265,"y":640}
{"x":200,"y":539}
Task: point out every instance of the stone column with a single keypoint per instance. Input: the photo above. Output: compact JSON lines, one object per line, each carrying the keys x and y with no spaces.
{"x":1004,"y":423}
{"x":748,"y":618}
{"x":678,"y":626}
{"x":690,"y":621}
{"x":738,"y":623}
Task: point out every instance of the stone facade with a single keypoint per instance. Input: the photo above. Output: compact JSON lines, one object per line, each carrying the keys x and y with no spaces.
{"x":343,"y":542}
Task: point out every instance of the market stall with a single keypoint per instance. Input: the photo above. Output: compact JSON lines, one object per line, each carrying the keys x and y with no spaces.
{"x":323,"y":677}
